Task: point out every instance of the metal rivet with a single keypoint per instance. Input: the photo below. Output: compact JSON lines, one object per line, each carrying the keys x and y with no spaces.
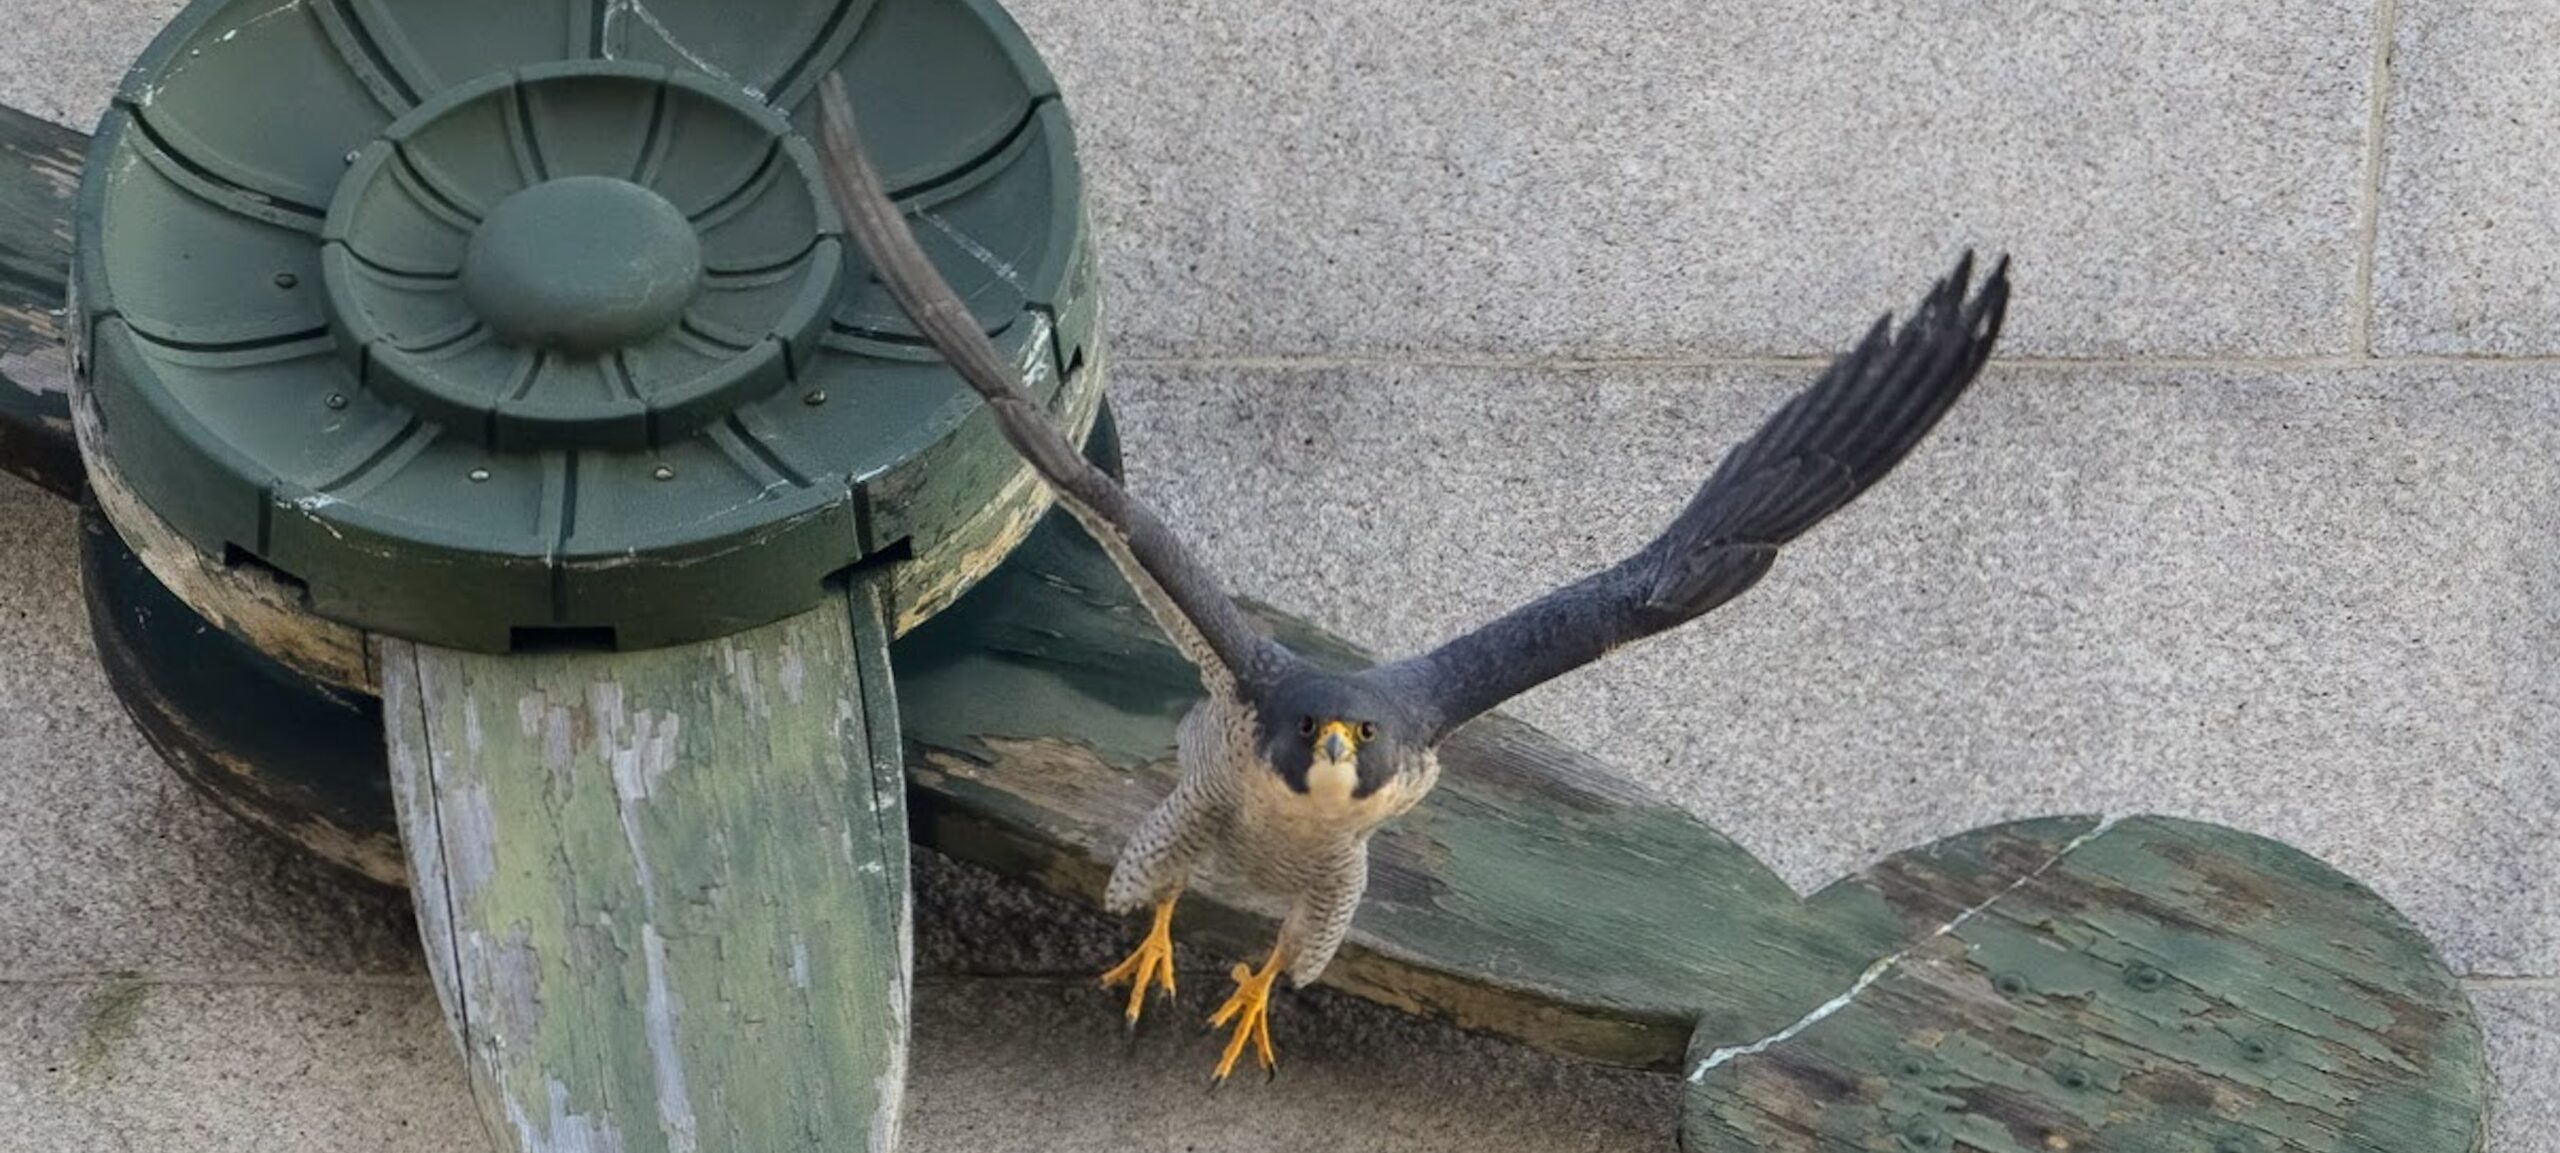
{"x":814,"y":397}
{"x":287,"y":280}
{"x":351,"y":155}
{"x":336,"y":400}
{"x":664,"y":472}
{"x":2074,"y":1078}
{"x":479,"y":474}
{"x":2009,"y":984}
{"x":2144,"y":977}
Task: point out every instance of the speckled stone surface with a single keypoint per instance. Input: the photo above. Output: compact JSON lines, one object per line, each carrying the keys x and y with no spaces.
{"x":2468,"y":262}
{"x":1458,"y":180}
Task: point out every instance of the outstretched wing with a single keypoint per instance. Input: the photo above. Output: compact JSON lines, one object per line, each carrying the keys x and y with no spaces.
{"x":1819,"y":451}
{"x":1187,"y":602}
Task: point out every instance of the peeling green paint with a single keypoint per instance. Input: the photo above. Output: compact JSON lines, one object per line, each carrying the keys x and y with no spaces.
{"x":669,"y":887}
{"x":2167,"y":987}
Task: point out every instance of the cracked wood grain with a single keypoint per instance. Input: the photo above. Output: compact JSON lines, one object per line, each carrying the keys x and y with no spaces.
{"x":664,"y":894}
{"x":39,"y":177}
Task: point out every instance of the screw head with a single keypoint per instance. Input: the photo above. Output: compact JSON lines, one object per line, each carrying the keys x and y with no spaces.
{"x":336,"y":400}
{"x":2074,"y":1078}
{"x":664,"y":472}
{"x":814,"y":397}
{"x":479,"y":474}
{"x":1911,"y":1067}
{"x":2145,"y":978}
{"x":287,"y":280}
{"x":2256,"y":1049}
{"x":2009,"y":984}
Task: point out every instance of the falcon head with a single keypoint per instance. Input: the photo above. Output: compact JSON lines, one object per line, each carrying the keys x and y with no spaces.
{"x":1332,"y":737}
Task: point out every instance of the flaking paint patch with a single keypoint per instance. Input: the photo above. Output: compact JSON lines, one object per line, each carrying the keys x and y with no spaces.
{"x":620,"y":12}
{"x":563,"y":1131}
{"x":639,"y":762}
{"x":604,"y":707}
{"x":247,"y":602}
{"x":741,"y":667}
{"x":1038,"y":357}
{"x":514,"y":1007}
{"x":1003,"y":268}
{"x":179,"y":67}
{"x":794,"y":674}
{"x":658,"y":1014}
{"x":635,"y":769}
{"x":1886,"y":964}
{"x":471,"y":840}
{"x":799,"y":962}
{"x":888,"y":1108}
{"x":559,"y":738}
{"x":938,"y":576}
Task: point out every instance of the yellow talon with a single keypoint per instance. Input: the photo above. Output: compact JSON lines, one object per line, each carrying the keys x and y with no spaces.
{"x":1150,"y":964}
{"x":1249,"y":1008}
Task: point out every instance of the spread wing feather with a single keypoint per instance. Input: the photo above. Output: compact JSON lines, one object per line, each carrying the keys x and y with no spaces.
{"x":1185,"y":598}
{"x":1815,"y":454}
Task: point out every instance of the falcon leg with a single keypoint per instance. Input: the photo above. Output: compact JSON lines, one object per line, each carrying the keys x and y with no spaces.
{"x":1150,"y":964}
{"x":1249,"y":1010}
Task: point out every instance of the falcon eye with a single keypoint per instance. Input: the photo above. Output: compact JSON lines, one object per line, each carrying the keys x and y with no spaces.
{"x":1306,"y":726}
{"x":1368,"y":731}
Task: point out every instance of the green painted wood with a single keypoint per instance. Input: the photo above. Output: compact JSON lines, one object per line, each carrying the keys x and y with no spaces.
{"x":1535,"y":896}
{"x":2149,"y":985}
{"x":39,"y":176}
{"x":551,"y":303}
{"x":664,"y":894}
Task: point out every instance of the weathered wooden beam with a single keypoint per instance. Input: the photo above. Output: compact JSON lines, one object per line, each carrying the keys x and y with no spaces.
{"x":2067,"y":984}
{"x":664,"y":894}
{"x":39,"y":178}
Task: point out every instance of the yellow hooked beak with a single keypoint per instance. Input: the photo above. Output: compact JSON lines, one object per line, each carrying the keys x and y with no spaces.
{"x":1335,"y":743}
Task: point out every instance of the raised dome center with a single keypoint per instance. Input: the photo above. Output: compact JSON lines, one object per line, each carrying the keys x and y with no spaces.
{"x":582,"y":264}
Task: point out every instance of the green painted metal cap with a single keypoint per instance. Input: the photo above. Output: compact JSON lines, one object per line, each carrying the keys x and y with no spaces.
{"x":489,"y":321}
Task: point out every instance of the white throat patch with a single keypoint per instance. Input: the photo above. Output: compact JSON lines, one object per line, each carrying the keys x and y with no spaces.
{"x":1332,"y":781}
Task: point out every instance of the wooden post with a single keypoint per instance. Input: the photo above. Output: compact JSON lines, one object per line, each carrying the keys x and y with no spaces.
{"x":664,"y":894}
{"x":39,"y":176}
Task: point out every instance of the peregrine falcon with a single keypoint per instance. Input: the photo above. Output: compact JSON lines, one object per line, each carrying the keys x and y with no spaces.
{"x":1287,"y":768}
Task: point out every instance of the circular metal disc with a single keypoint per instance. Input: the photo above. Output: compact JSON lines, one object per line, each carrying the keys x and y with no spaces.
{"x":502,"y":323}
